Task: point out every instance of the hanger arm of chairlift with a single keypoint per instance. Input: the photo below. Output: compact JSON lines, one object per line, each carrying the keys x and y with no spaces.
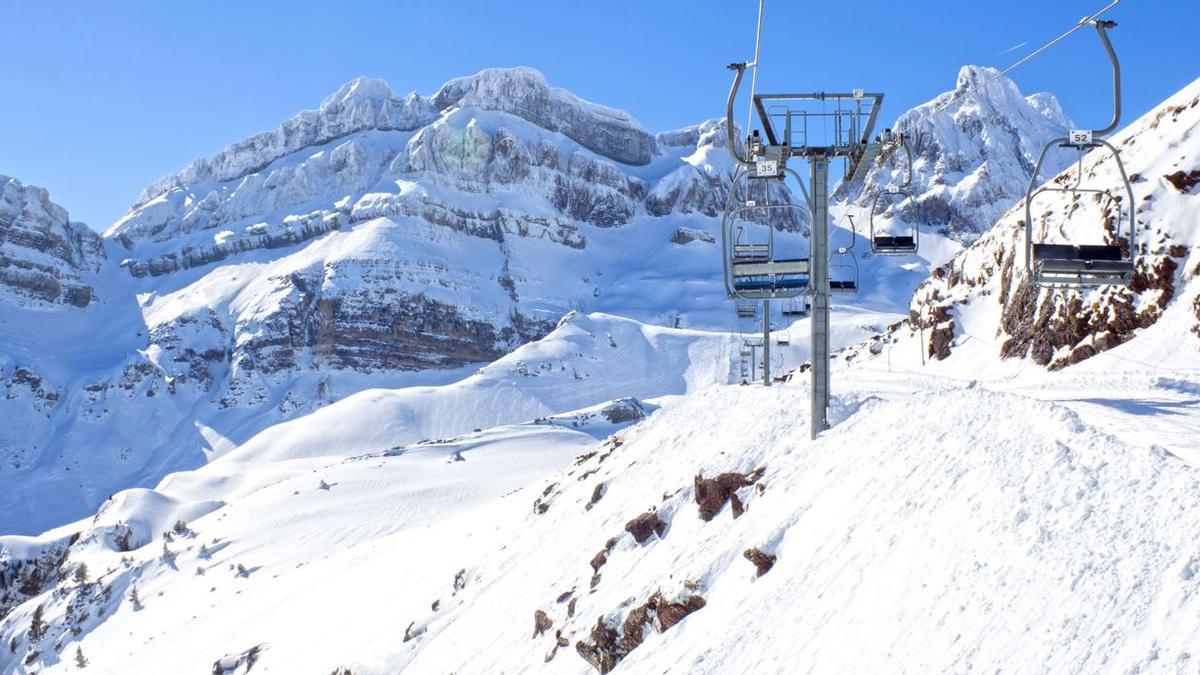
{"x":730,"y":140}
{"x":1102,"y":29}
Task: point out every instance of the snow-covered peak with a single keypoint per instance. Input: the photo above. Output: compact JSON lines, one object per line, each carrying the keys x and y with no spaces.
{"x":525,"y":93}
{"x":973,"y":150}
{"x":970,"y":76}
{"x":709,"y":133}
{"x":1047,"y":104}
{"x":358,"y":91}
{"x":366,"y":104}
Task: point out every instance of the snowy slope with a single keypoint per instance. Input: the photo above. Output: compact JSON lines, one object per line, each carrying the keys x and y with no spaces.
{"x":920,"y":534}
{"x":148,"y":433}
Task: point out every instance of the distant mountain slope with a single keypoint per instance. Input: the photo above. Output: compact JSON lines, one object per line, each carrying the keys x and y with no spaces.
{"x":711,"y":537}
{"x":361,"y":244}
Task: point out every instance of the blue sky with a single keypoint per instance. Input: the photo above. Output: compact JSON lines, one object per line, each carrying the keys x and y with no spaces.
{"x":100,"y":99}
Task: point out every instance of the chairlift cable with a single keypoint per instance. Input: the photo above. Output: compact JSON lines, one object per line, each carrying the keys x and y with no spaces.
{"x":754,"y":74}
{"x":1082,"y":22}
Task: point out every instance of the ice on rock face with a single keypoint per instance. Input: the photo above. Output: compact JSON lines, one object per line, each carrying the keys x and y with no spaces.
{"x":1047,"y":104}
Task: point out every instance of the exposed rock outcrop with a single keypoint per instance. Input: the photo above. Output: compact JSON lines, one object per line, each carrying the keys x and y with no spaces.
{"x":45,"y":259}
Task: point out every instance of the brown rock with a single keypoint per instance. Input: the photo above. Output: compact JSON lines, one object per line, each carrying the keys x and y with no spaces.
{"x":763,"y":562}
{"x":597,"y":494}
{"x":713,"y":493}
{"x":644,"y":525}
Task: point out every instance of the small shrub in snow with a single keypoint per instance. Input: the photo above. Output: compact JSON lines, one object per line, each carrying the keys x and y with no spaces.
{"x":37,"y":625}
{"x":123,"y":537}
{"x":80,"y":660}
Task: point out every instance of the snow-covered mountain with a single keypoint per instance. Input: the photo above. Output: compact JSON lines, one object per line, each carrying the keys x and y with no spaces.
{"x":377,"y":241}
{"x":374,"y":241}
{"x":604,"y":498}
{"x":972,"y":156}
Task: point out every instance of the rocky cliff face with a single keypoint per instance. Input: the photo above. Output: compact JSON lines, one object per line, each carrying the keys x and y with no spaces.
{"x":972,"y":155}
{"x":45,"y":259}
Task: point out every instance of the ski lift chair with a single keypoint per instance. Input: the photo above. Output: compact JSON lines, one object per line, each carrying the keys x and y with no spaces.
{"x":843,"y":262}
{"x":752,"y":273}
{"x":884,"y":244}
{"x":892,"y":245}
{"x":797,"y":307}
{"x":843,"y":265}
{"x":1084,"y":265}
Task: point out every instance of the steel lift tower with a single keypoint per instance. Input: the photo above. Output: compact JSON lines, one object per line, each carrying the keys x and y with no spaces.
{"x":841,"y":126}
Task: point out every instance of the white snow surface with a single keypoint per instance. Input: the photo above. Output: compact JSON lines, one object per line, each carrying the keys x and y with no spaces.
{"x":942,"y":524}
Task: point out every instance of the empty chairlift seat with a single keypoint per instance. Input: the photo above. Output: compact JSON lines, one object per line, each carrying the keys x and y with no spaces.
{"x":898,"y":245}
{"x":750,"y":252}
{"x":1089,"y":261}
{"x":843,"y":272}
{"x":796,"y":307}
{"x":1085,"y":265}
{"x":886,"y":244}
{"x":765,"y":278}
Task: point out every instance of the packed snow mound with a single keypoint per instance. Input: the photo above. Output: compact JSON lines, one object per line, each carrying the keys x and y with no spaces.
{"x":982,"y":304}
{"x":46,"y":260}
{"x":972,"y":156}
